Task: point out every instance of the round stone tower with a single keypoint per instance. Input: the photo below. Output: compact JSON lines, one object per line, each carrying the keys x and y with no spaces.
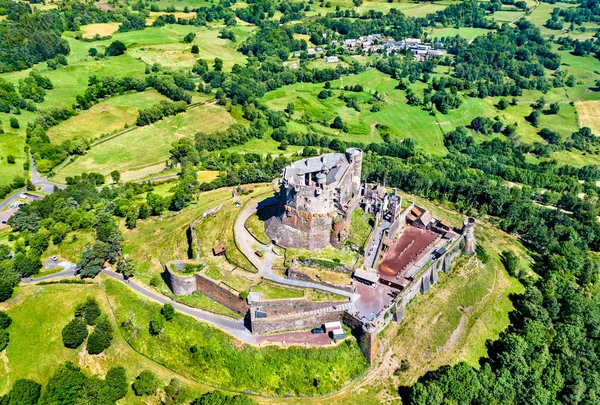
{"x":469,"y":232}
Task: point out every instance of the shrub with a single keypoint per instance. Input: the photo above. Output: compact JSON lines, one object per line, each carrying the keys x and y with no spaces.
{"x":90,"y":311}
{"x":101,"y":337}
{"x":337,"y":123}
{"x":189,"y":37}
{"x":219,"y":398}
{"x":5,"y":321}
{"x":195,"y":49}
{"x":145,"y":384}
{"x":10,"y":159}
{"x":168,"y":311}
{"x":74,"y":333}
{"x":116,"y":384}
{"x":14,"y":123}
{"x":156,"y":326}
{"x":4,"y":339}
{"x":6,"y":290}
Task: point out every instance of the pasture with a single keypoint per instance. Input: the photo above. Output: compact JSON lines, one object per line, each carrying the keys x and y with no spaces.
{"x":149,"y":145}
{"x":105,"y":118}
{"x":100,"y":29}
{"x":589,"y":115}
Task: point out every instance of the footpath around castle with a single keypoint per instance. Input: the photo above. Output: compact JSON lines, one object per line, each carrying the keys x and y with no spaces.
{"x":406,"y":251}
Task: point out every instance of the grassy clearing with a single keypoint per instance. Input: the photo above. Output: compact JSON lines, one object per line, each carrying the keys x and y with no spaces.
{"x":360,"y":227}
{"x":50,"y":308}
{"x":11,"y":144}
{"x":271,"y":291}
{"x":72,"y":246}
{"x":101,"y":29}
{"x":329,"y":276}
{"x":199,"y":300}
{"x":343,"y":255}
{"x":223,"y":362}
{"x":105,"y":118}
{"x":239,"y":281}
{"x":168,"y":49}
{"x":148,"y":145}
{"x":465,"y":32}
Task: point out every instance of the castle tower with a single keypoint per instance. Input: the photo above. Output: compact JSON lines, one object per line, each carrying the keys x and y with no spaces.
{"x":469,"y":232}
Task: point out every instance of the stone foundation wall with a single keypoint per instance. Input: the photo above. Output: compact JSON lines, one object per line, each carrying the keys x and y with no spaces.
{"x":221,"y":295}
{"x":266,"y":325}
{"x":180,"y":285}
{"x":274,"y":308}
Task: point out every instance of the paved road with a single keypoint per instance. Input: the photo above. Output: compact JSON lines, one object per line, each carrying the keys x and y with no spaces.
{"x":248,"y":245}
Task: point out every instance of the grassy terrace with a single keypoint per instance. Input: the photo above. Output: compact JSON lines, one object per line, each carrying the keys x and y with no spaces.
{"x":223,"y":362}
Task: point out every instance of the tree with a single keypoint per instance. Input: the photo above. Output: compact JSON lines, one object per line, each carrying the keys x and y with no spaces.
{"x":89,"y":310}
{"x":74,"y":333}
{"x":5,"y":320}
{"x":115,"y":384}
{"x":89,"y":265}
{"x":10,"y":159}
{"x":156,"y":326}
{"x":189,"y":38}
{"x":168,"y":312}
{"x":116,"y":176}
{"x":511,"y":263}
{"x":116,"y":48}
{"x":174,"y":392}
{"x":14,"y":123}
{"x":126,"y":268}
{"x":554,"y":108}
{"x":93,"y":52}
{"x":143,"y":211}
{"x":218,"y":65}
{"x":290,"y":109}
{"x":24,"y":392}
{"x":502,"y":104}
{"x":101,"y":338}
{"x":337,"y":123}
{"x":6,"y":290}
{"x":195,"y":49}
{"x":145,"y":384}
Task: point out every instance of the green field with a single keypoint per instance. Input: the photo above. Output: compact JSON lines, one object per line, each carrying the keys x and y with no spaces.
{"x":11,"y":144}
{"x":36,"y":352}
{"x":105,"y":118}
{"x":149,"y":145}
{"x":223,"y":362}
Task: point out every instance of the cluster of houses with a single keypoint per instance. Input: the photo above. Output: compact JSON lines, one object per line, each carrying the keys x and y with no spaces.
{"x":378,"y":44}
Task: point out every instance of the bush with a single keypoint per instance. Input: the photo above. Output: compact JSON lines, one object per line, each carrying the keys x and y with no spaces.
{"x":5,"y":321}
{"x":156,"y":326}
{"x":511,"y":263}
{"x":195,"y":49}
{"x":10,"y":159}
{"x":6,"y":290}
{"x":145,"y":384}
{"x":168,"y":312}
{"x":116,"y":384}
{"x":24,"y":392}
{"x":4,"y":339}
{"x":90,"y":310}
{"x":189,"y":37}
{"x":14,"y":123}
{"x":337,"y":123}
{"x":219,"y":398}
{"x":74,"y":333}
{"x":101,"y":337}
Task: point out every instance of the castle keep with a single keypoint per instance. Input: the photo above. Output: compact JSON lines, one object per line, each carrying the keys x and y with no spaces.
{"x":318,"y":194}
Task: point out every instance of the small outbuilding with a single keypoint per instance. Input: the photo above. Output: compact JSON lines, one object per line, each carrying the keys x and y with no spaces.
{"x":367,"y":277}
{"x":219,"y":250}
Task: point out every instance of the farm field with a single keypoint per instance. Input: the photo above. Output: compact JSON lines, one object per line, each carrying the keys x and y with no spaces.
{"x":100,"y":29}
{"x":147,"y":145}
{"x":109,"y":116}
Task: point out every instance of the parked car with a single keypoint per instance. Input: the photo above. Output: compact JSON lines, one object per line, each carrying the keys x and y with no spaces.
{"x":54,"y":258}
{"x":317,"y":330}
{"x":258,"y":253}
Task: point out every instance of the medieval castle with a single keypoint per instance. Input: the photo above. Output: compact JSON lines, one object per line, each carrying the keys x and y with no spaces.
{"x":318,"y":195}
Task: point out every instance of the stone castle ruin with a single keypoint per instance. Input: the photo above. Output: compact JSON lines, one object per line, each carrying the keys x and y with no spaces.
{"x":318,"y":194}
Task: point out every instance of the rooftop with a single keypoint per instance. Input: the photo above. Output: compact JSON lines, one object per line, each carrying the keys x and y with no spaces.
{"x":332,"y":165}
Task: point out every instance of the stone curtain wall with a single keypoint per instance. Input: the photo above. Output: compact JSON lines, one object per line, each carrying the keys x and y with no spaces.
{"x":266,"y":325}
{"x":221,"y":295}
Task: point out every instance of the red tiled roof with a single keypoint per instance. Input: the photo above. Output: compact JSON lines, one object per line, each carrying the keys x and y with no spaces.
{"x":406,"y":250}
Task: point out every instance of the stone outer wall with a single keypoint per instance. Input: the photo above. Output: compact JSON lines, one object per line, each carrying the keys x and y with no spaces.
{"x":266,"y":325}
{"x":180,"y":285}
{"x":274,"y":308}
{"x":221,"y":295}
{"x":367,"y":339}
{"x":298,"y":275}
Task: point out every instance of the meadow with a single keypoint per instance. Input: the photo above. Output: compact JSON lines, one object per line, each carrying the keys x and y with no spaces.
{"x":149,"y":145}
{"x":50,"y":308}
